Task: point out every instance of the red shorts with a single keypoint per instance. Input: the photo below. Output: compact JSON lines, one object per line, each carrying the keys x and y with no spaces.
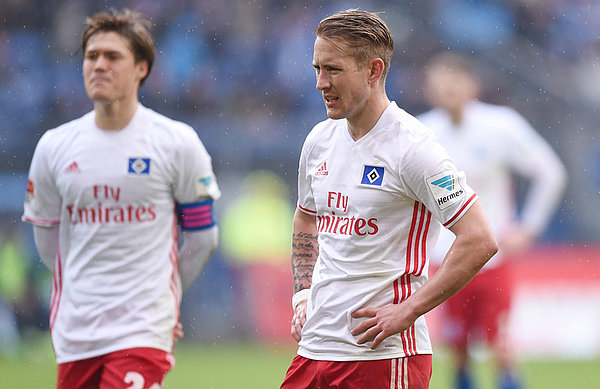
{"x":478,"y":311}
{"x":134,"y":368}
{"x":400,"y":373}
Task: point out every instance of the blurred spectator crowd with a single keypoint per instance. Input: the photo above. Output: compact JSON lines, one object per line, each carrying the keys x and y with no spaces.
{"x":240,"y":73}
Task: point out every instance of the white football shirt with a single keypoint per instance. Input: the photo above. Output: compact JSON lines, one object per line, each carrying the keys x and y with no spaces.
{"x":379,"y":202}
{"x":491,"y":144}
{"x":113,"y":194}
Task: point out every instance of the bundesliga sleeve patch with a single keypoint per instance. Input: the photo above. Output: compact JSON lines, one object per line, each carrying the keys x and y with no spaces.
{"x":30,"y":190}
{"x":139,"y":166}
{"x":445,"y":188}
{"x":372,"y":175}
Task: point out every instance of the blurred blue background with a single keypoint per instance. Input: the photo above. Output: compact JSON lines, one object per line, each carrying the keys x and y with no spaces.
{"x":240,"y":73}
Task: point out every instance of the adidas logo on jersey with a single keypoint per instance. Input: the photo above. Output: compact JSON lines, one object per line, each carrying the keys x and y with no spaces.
{"x":73,"y":168}
{"x":322,"y":170}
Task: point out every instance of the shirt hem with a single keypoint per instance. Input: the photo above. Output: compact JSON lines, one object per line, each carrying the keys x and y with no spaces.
{"x":358,"y":357}
{"x":108,"y":350}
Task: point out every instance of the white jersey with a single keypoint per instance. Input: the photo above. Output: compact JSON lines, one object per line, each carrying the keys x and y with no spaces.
{"x":113,"y":194}
{"x":379,"y":202}
{"x":490,"y":144}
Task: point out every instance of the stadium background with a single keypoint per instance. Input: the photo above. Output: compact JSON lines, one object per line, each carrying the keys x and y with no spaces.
{"x":240,"y":73}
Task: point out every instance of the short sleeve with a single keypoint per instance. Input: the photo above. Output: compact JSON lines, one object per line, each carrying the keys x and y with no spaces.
{"x":195,"y":179}
{"x":431,"y":177}
{"x":42,"y":199}
{"x":306,"y":201}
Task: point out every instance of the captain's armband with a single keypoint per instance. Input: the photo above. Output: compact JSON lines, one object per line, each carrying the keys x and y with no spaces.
{"x":196,"y":216}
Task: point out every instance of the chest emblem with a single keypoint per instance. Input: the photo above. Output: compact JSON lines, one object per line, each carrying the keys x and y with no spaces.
{"x":372,"y":175}
{"x":139,"y":166}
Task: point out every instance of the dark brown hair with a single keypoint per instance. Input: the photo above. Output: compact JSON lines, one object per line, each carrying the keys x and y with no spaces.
{"x":130,"y":24}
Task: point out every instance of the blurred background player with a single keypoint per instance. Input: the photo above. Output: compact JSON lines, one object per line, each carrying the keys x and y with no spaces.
{"x":490,"y":143}
{"x":373,"y":194}
{"x":102,"y":195}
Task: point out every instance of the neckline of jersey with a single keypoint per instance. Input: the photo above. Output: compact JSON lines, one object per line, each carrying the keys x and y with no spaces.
{"x":385,"y":119}
{"x":123,"y":130}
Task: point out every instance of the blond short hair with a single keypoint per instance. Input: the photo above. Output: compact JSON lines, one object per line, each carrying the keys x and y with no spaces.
{"x":365,"y":33}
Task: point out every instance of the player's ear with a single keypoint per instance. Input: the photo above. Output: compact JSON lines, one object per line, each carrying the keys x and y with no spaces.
{"x":376,"y":67}
{"x":141,"y":68}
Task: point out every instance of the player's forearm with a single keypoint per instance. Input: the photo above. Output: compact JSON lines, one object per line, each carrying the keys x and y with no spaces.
{"x":474,"y":246}
{"x":305,"y":250}
{"x":196,"y":250}
{"x":545,"y":192}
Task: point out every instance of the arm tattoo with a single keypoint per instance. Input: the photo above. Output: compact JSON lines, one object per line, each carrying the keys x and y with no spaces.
{"x":305,"y":250}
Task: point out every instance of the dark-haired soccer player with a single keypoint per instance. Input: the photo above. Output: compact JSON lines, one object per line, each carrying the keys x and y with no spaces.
{"x":103,"y":193}
{"x":491,"y":143}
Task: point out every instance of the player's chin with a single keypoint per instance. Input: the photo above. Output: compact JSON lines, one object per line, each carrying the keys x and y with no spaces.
{"x":335,"y":114}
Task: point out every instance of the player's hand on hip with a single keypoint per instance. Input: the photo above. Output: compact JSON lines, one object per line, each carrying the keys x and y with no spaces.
{"x":380,"y":323}
{"x":298,"y":320}
{"x":178,"y":331}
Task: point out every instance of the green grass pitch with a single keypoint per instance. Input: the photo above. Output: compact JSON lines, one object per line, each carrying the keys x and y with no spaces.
{"x":257,"y":366}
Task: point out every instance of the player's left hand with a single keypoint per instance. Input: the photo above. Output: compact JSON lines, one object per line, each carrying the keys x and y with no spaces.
{"x":178,"y":331}
{"x":380,"y":323}
{"x":298,"y":320}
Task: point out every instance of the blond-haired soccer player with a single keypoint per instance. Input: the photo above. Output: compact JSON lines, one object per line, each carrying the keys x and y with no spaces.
{"x":491,"y":143}
{"x":375,"y":187}
{"x":105,"y":194}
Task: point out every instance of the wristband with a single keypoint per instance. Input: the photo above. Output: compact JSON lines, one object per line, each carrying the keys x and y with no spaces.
{"x":300,"y":296}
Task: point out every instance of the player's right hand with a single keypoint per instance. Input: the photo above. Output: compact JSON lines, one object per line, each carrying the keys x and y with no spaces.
{"x":298,"y":320}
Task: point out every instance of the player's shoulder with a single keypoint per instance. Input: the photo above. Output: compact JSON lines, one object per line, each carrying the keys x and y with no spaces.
{"x":500,"y":120}
{"x":163,"y":123}
{"x":431,"y":116}
{"x":405,"y":129}
{"x":496,"y":111}
{"x":322,"y":132}
{"x":58,"y":135}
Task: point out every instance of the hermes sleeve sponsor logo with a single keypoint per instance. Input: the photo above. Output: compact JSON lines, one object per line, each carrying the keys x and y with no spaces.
{"x":139,"y":166}
{"x":344,"y":224}
{"x":322,"y":170}
{"x":372,"y":175}
{"x":111,"y":211}
{"x":445,"y":188}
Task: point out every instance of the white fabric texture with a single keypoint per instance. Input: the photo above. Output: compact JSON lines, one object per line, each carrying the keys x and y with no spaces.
{"x":113,"y":195}
{"x":379,"y":204}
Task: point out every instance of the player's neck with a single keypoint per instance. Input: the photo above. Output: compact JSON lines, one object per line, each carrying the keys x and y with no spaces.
{"x":364,"y":121}
{"x":456,"y":116}
{"x":115,"y":115}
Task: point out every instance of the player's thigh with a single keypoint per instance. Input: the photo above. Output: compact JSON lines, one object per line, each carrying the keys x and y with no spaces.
{"x":136,"y":368}
{"x":302,"y":373}
{"x":82,"y":374}
{"x":497,"y":297}
{"x":399,"y":373}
